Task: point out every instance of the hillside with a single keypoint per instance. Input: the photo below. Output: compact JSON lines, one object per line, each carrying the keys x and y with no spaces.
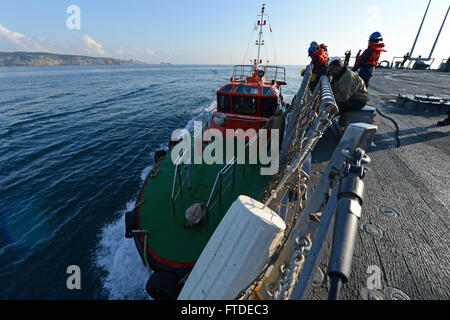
{"x":11,"y":59}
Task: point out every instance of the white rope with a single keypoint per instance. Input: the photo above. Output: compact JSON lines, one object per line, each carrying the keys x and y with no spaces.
{"x":286,"y":283}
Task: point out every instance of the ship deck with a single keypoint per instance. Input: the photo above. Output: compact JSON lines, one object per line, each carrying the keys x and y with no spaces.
{"x":168,"y":237}
{"x":414,"y":180}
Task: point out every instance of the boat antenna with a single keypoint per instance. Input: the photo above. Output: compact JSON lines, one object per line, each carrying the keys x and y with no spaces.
{"x":261,"y":23}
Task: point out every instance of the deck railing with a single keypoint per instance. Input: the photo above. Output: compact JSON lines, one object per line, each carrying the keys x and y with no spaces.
{"x":272,"y":73}
{"x":222,"y":183}
{"x":180,"y":167}
{"x":179,"y":179}
{"x":227,"y":177}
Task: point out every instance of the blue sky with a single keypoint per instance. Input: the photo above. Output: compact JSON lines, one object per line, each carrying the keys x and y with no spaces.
{"x":218,"y":32}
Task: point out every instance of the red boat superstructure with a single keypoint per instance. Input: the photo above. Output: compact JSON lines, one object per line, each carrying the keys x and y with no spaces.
{"x":250,"y":99}
{"x":252,"y":95}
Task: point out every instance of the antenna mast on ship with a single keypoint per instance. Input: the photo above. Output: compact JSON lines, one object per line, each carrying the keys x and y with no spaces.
{"x":260,"y":42}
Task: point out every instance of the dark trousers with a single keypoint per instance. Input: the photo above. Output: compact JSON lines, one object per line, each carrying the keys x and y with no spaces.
{"x":350,"y":105}
{"x":366,"y":72}
{"x":312,"y":85}
{"x":319,"y":73}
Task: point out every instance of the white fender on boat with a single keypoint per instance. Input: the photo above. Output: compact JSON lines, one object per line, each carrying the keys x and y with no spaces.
{"x":236,"y":253}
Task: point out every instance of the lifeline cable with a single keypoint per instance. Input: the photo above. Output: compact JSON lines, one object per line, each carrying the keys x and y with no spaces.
{"x":396,"y":127}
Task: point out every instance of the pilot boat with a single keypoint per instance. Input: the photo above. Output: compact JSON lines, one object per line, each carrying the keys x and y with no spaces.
{"x":182,"y":201}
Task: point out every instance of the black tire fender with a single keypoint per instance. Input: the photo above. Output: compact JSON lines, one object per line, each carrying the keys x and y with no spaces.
{"x":159,"y":155}
{"x":163,"y":285}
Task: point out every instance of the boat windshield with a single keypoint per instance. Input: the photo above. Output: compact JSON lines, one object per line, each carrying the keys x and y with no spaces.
{"x":244,"y":105}
{"x":226,"y":88}
{"x":246,"y":89}
{"x":223,"y":102}
{"x":267,"y":91}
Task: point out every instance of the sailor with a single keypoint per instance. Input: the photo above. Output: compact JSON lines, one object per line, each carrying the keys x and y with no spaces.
{"x":348,"y":88}
{"x":348,"y":55}
{"x":367,"y":62}
{"x":321,"y":46}
{"x":311,"y":79}
{"x":446,"y":121}
{"x":319,"y":57}
{"x":324,"y":47}
{"x":277,"y":121}
{"x":420,"y":64}
{"x":405,"y":58}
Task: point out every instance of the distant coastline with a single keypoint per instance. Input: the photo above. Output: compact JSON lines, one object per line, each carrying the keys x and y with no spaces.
{"x":16,"y":59}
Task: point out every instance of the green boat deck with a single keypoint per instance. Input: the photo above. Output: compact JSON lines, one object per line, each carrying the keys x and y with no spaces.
{"x":168,"y":236}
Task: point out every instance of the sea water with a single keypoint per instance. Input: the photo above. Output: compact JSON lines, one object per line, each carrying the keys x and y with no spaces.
{"x":76,"y":144}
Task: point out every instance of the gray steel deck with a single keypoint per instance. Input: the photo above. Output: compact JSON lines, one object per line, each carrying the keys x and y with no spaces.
{"x":414,"y":180}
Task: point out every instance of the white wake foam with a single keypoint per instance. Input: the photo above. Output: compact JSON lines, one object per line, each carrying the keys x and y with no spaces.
{"x":126,"y":274}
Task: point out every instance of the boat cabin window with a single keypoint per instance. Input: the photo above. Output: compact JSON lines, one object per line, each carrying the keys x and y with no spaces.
{"x":223,"y":102}
{"x":246,"y":89}
{"x":244,"y":105}
{"x":267,"y":91}
{"x":226,"y":88}
{"x":268,"y":106}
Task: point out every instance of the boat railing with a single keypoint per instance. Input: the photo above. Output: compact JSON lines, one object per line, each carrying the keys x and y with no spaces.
{"x":272,"y":73}
{"x":205,"y":124}
{"x":250,"y":144}
{"x":227,"y":176}
{"x":179,"y":179}
{"x":275,"y":73}
{"x":224,"y":179}
{"x":241,"y":72}
{"x":244,"y":119}
{"x":182,"y":171}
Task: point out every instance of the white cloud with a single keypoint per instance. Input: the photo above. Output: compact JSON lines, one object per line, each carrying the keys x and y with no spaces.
{"x":14,"y":41}
{"x":84,"y":45}
{"x":93,"y":45}
{"x":18,"y":41}
{"x":11,"y":35}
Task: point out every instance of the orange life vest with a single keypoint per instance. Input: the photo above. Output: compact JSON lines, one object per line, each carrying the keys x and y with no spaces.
{"x":322,"y":55}
{"x":325,"y":50}
{"x":377,"y":48}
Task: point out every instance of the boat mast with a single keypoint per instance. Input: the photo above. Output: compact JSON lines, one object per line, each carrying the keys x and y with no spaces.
{"x":260,"y":31}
